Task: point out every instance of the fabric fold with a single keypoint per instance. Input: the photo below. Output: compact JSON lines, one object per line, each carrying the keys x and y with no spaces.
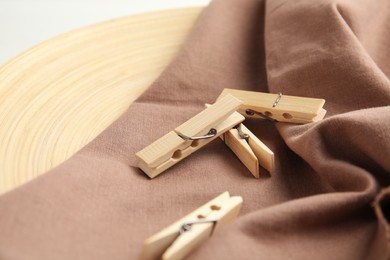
{"x":322,"y":199}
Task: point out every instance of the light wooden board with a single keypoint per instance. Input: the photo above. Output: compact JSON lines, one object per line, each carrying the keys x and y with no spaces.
{"x":59,"y":95}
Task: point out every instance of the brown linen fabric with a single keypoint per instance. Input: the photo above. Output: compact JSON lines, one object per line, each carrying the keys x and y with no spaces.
{"x":322,"y":200}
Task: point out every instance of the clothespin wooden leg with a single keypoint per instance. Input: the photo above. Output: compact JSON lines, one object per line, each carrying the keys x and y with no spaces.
{"x":242,"y":150}
{"x":180,"y":238}
{"x":250,"y":150}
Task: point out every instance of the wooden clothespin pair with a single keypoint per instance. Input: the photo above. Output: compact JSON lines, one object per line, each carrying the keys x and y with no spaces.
{"x":222,"y":120}
{"x":180,"y":238}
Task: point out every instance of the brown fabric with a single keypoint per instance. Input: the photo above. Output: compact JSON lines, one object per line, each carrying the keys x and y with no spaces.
{"x":320,"y":203}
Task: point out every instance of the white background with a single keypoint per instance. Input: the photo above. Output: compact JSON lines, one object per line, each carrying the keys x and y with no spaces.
{"x":25,"y":23}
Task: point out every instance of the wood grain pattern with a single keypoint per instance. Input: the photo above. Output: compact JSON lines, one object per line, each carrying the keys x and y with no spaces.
{"x":262,"y":152}
{"x":210,"y":117}
{"x":171,"y":149}
{"x":167,"y":244}
{"x":251,"y":151}
{"x":243,"y":151}
{"x":163,"y":148}
{"x":59,"y":95}
{"x":290,"y":109}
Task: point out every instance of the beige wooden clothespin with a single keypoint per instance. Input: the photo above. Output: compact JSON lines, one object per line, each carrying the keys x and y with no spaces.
{"x":180,"y":238}
{"x":278,"y":107}
{"x":249,"y":149}
{"x":190,"y":136}
{"x":220,"y":119}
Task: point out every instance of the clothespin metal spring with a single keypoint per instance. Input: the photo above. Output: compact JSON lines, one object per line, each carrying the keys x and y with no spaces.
{"x":252,"y":112}
{"x":187,"y":225}
{"x":241,"y":133}
{"x":211,"y":133}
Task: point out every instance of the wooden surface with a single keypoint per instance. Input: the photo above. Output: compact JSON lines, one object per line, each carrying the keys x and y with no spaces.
{"x":59,"y":95}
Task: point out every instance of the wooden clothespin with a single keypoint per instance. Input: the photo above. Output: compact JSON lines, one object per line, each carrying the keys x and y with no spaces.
{"x":249,"y":149}
{"x":278,"y":107}
{"x":180,"y":238}
{"x":190,"y":136}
